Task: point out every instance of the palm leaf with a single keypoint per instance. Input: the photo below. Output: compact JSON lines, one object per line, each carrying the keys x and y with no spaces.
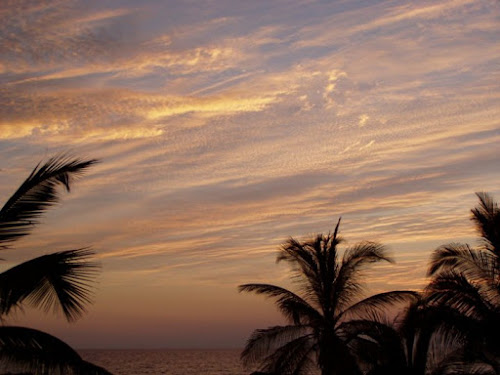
{"x":315,"y":265}
{"x":304,"y":261}
{"x":39,"y":353}
{"x":460,"y":360}
{"x":60,"y":279}
{"x":378,"y":303}
{"x":458,"y":292}
{"x":374,"y":343}
{"x":346,"y":284}
{"x":36,"y":194}
{"x":438,"y":331}
{"x":292,"y":358}
{"x":264,"y":341}
{"x":477,"y":264}
{"x":487,"y":219}
{"x":290,"y":304}
{"x":465,"y":368}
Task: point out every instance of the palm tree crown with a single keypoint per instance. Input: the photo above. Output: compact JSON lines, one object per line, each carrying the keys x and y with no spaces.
{"x":329,"y":286}
{"x":467,"y":280}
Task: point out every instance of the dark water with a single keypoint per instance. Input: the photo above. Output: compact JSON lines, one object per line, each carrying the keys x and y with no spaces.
{"x":171,"y":362}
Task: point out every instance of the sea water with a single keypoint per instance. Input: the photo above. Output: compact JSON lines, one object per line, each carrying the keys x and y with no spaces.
{"x":171,"y":362}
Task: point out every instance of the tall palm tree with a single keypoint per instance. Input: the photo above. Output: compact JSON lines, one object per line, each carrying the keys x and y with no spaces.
{"x":329,"y":285}
{"x":61,"y":280}
{"x":467,"y":279}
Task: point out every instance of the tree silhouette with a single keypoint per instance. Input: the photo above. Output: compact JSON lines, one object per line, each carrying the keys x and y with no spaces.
{"x":423,"y":340}
{"x":60,"y":280}
{"x":317,"y":331}
{"x":468,"y":280}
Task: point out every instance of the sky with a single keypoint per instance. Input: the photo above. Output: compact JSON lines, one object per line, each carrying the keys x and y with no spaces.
{"x":224,"y":127}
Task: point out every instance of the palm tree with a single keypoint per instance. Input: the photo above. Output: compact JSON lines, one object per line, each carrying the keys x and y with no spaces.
{"x":315,"y":336}
{"x":423,"y":340}
{"x":467,"y":279}
{"x":60,"y":280}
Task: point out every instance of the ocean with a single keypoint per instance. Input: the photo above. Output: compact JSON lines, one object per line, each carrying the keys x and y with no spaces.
{"x":167,"y":361}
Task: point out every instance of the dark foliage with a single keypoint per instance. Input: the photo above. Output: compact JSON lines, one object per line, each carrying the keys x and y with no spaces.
{"x":451,"y":328}
{"x":36,"y":352}
{"x":36,"y":194}
{"x":60,"y":280}
{"x":467,"y":280}
{"x":329,"y":284}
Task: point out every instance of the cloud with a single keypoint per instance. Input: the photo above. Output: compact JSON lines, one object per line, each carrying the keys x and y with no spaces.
{"x":48,"y":32}
{"x":410,"y":12}
{"x":109,"y":114}
{"x":223,"y":130}
{"x":363,"y":119}
{"x":353,"y":22}
{"x":216,"y":106}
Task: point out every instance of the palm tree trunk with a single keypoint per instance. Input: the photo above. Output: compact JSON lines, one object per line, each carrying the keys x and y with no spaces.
{"x":334,"y":358}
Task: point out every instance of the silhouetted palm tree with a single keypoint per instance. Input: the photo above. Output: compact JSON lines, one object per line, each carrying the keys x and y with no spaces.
{"x":424,"y":340}
{"x":59,"y":280}
{"x":315,"y":336}
{"x":468,"y":280}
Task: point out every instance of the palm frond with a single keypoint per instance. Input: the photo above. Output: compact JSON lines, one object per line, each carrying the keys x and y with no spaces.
{"x":61,"y":279}
{"x":455,"y":290}
{"x":381,"y":333}
{"x":446,"y":346}
{"x":332,"y":253}
{"x":487,"y":219}
{"x":378,"y":303}
{"x":465,"y":368}
{"x":346,"y":284}
{"x":478,"y":264}
{"x":303,"y":258}
{"x":462,"y":361}
{"x":292,"y":358}
{"x":37,"y":193}
{"x":315,"y":264}
{"x":375,"y":344}
{"x":263,"y":342}
{"x":39,"y":353}
{"x":363,"y":253}
{"x":436,"y":332}
{"x":290,"y":304}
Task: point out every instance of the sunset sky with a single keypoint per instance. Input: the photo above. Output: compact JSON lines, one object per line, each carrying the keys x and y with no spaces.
{"x":224,"y":127}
